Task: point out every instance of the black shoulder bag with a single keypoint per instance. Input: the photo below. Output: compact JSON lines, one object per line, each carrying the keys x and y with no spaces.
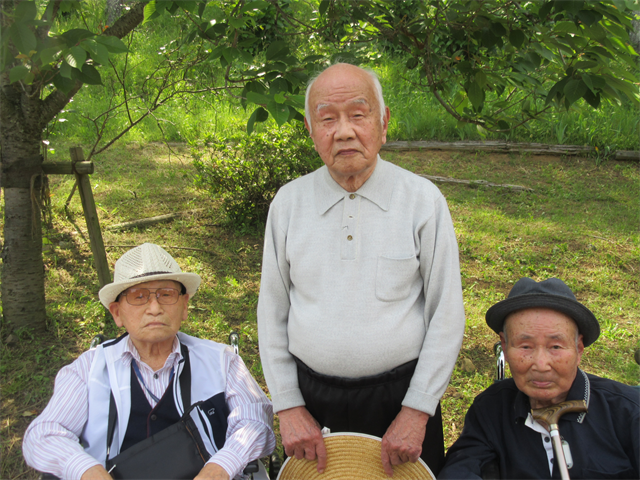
{"x":177,"y":452}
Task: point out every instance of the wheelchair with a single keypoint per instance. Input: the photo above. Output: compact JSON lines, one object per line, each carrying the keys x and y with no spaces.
{"x":266,"y":468}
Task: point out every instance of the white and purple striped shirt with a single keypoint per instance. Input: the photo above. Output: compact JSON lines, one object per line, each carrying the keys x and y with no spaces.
{"x":51,"y":443}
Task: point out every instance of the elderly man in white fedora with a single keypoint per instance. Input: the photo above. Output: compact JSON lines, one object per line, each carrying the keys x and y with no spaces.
{"x":155,"y":402}
{"x":544,"y":330}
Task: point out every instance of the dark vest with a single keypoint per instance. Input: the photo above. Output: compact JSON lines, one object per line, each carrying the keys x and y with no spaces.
{"x":145,"y":421}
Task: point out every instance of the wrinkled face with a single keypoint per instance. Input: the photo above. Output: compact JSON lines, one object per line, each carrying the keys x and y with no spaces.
{"x":345,"y":123}
{"x":151,"y":323}
{"x":540,"y":346}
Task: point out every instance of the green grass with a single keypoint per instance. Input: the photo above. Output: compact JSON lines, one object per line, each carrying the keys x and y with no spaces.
{"x":579,"y":224}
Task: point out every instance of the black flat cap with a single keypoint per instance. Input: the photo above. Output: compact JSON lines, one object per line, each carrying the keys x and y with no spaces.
{"x":552,"y":293}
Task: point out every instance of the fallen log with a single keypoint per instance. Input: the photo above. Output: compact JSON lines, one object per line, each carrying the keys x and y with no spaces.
{"x":145,"y":222}
{"x":494,"y":146}
{"x":628,"y":155}
{"x":484,"y":183}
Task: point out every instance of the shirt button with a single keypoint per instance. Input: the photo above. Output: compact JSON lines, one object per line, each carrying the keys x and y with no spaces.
{"x":352,"y":196}
{"x":546,"y":439}
{"x":349,"y":237}
{"x":155,"y":375}
{"x":154,"y":417}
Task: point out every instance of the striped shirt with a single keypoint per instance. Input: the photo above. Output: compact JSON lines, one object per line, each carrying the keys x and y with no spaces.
{"x":51,"y":443}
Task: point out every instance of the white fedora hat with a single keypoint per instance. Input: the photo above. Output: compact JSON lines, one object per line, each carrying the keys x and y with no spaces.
{"x":146,"y":263}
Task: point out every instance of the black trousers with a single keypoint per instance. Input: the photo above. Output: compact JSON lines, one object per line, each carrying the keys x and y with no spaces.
{"x":367,"y":405}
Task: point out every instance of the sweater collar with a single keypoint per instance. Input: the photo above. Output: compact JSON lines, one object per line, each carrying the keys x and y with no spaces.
{"x":378,"y":188}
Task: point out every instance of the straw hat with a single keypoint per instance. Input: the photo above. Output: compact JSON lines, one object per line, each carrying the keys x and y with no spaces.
{"x":146,"y":263}
{"x":352,"y":456}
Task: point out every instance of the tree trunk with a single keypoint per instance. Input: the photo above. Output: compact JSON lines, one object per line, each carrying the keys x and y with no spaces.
{"x":23,"y":300}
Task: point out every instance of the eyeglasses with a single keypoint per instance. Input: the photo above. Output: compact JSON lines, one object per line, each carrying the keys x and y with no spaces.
{"x":140,"y":296}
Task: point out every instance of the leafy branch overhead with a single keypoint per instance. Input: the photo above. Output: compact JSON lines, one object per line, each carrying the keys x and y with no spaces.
{"x":494,"y":63}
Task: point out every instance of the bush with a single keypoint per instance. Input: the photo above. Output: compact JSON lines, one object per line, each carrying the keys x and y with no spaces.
{"x":247,"y":171}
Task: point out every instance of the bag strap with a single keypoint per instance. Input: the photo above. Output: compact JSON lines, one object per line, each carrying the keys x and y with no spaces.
{"x":185,"y":388}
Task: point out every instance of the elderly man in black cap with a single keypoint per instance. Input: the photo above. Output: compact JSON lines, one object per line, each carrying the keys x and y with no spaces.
{"x":543,"y":330}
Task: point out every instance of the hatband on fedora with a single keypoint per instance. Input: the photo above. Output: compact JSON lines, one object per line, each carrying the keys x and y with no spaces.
{"x":552,"y":293}
{"x":352,"y":456}
{"x":146,"y":263}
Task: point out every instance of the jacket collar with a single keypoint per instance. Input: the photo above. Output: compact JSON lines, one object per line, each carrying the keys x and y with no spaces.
{"x":580,"y":390}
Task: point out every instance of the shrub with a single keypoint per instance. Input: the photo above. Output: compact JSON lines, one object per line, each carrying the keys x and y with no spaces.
{"x":247,"y":171}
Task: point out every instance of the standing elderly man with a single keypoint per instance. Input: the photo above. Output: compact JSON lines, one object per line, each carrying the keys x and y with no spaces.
{"x":543,"y":330}
{"x":141,"y":384}
{"x":360,"y":315}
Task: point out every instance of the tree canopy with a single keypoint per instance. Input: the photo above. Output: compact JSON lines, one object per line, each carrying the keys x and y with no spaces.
{"x":494,"y":63}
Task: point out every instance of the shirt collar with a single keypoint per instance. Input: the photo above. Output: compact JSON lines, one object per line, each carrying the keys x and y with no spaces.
{"x":580,"y":390}
{"x":378,"y":188}
{"x":130,"y":352}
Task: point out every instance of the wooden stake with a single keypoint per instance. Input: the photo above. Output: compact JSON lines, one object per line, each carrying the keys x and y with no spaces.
{"x":91,"y":217}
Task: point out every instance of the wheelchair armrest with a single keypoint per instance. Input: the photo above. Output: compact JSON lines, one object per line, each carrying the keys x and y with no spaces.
{"x":252,"y":467}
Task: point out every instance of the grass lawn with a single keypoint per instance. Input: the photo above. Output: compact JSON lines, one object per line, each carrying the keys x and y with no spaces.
{"x":580,"y":224}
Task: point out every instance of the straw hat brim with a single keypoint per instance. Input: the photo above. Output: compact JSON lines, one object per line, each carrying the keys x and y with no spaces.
{"x":108,"y":293}
{"x":352,"y":456}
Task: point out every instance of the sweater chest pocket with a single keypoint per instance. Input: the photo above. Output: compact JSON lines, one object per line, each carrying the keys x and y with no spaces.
{"x":394,"y":277}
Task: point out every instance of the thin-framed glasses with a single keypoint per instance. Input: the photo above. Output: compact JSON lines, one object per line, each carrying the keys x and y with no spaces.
{"x":140,"y":296}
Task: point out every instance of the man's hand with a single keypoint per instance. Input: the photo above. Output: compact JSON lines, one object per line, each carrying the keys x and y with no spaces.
{"x":97,"y":472}
{"x":212,"y":471}
{"x":403,"y":440}
{"x":301,"y":436}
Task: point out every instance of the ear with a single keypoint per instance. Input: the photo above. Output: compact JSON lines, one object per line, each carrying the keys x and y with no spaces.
{"x":114,"y":308}
{"x":503,"y":342}
{"x":185,"y":311}
{"x":580,"y":347}
{"x":385,"y":124}
{"x":308,"y":127}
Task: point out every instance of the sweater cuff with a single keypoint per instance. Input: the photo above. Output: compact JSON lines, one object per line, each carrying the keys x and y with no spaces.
{"x":286,"y":400}
{"x":78,"y":464}
{"x":420,"y":401}
{"x":230,"y":461}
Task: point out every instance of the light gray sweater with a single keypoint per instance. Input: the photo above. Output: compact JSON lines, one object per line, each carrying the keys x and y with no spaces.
{"x":355,"y":284}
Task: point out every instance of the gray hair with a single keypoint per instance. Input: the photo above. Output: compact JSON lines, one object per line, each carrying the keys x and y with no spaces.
{"x":374,"y":79}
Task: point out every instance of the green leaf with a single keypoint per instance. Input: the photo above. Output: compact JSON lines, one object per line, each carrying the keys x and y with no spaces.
{"x":502,"y":125}
{"x":566,"y":27}
{"x":76,"y":57}
{"x":63,"y":84}
{"x":412,"y":63}
{"x":149,"y":10}
{"x":574,"y":90}
{"x":25,"y":11}
{"x":279,"y":98}
{"x":573,"y":6}
{"x":587,"y":81}
{"x":545,"y":9}
{"x":481,"y":79}
{"x":588,"y":17}
{"x":113,"y":44}
{"x":516,"y":37}
{"x":18,"y":73}
{"x":274,"y":49}
{"x":324,"y":5}
{"x":49,"y":55}
{"x":258,"y":115}
{"x":476,"y":95}
{"x":278,"y":111}
{"x":237,"y":22}
{"x":65,"y":70}
{"x":89,"y":75}
{"x":188,"y":5}
{"x":76,"y":35}
{"x":216,"y":52}
{"x":257,"y":98}
{"x":592,"y":99}
{"x":23,"y":38}
{"x":585,"y":64}
{"x":279,"y":85}
{"x":98,"y":52}
{"x":556,"y":90}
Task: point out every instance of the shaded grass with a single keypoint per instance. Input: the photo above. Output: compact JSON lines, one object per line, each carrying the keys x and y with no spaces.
{"x":580,"y":225}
